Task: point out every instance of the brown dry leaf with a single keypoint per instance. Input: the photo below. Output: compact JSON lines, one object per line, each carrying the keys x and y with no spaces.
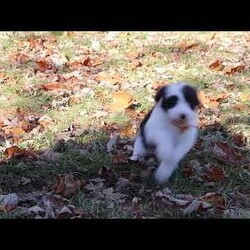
{"x":186,"y":45}
{"x":239,"y":140}
{"x":74,"y":65}
{"x":20,"y":113}
{"x":53,"y":86}
{"x":43,"y":65}
{"x":2,"y":76}
{"x":73,"y":99}
{"x":207,"y":102}
{"x":45,"y":121}
{"x":114,"y":78}
{"x":213,"y":36}
{"x":157,"y":85}
{"x":216,"y":65}
{"x":14,"y":151}
{"x":196,"y":206}
{"x":134,"y":55}
{"x":135,"y":64}
{"x":239,"y":107}
{"x":18,"y":58}
{"x":70,"y":33}
{"x":87,"y":62}
{"x":188,"y":171}
{"x":119,"y":158}
{"x":232,"y":70}
{"x":157,"y":54}
{"x":219,"y":97}
{"x":67,"y":185}
{"x":132,"y":113}
{"x":223,"y":152}
{"x":215,"y":174}
{"x":128,"y":130}
{"x":35,"y":43}
{"x":25,"y":125}
{"x":215,"y":199}
{"x":121,"y":101}
{"x":17,"y":131}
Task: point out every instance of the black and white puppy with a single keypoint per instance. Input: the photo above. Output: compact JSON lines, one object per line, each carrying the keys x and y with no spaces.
{"x":170,"y":128}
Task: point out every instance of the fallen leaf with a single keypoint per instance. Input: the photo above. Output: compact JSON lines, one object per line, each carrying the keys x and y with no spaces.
{"x":157,"y":54}
{"x":17,"y":131}
{"x":135,"y":64}
{"x":64,"y":213}
{"x":8,"y":202}
{"x":215,"y":199}
{"x":18,"y":58}
{"x":239,"y":140}
{"x":187,"y":171}
{"x":35,"y":43}
{"x":2,"y":76}
{"x":53,"y":86}
{"x":223,"y":152}
{"x":113,"y":78}
{"x":186,"y":45}
{"x":25,"y":125}
{"x":45,"y":121}
{"x":215,"y":174}
{"x":216,"y":65}
{"x":14,"y":151}
{"x":219,"y":97}
{"x":196,"y":206}
{"x":128,"y":130}
{"x":239,"y":107}
{"x":157,"y":85}
{"x":67,"y":185}
{"x":207,"y":102}
{"x":119,"y":159}
{"x":232,"y":70}
{"x":134,"y":55}
{"x":70,"y":33}
{"x":43,"y":65}
{"x":121,"y":101}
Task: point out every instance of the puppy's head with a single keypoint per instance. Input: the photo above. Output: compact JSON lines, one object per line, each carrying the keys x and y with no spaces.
{"x":178,"y":102}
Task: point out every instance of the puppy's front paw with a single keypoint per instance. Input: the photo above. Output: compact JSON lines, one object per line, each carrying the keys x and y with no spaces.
{"x":163,"y":174}
{"x":134,"y":158}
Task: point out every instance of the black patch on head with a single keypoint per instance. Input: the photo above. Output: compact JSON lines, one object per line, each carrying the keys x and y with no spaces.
{"x":160,"y":93}
{"x":170,"y":102}
{"x":190,"y":95}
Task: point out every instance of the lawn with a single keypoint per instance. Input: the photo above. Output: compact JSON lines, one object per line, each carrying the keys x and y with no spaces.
{"x":70,"y":106}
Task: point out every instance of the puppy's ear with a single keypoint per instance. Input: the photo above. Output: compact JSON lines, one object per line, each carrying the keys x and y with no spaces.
{"x":191,"y":96}
{"x":160,"y":93}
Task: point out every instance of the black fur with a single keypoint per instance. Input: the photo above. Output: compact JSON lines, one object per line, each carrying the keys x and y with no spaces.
{"x":160,"y":93}
{"x":190,"y":95}
{"x":142,"y":131}
{"x":170,"y":102}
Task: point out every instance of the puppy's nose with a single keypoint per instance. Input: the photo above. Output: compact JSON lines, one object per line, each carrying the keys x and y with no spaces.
{"x":182,"y":116}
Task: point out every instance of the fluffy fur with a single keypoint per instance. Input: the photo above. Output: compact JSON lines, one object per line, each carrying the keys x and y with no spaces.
{"x":170,"y":128}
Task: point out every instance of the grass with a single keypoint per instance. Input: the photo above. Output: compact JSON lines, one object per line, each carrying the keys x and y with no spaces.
{"x":191,"y":66}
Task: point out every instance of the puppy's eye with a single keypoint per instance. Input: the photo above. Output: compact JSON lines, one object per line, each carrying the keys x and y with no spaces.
{"x":169,"y":102}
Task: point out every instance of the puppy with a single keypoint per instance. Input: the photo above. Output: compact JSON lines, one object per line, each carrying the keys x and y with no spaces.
{"x":170,"y":128}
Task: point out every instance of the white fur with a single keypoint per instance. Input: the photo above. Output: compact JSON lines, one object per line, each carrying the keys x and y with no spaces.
{"x":172,"y":143}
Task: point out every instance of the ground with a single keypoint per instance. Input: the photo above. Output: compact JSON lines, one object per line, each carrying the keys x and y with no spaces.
{"x":70,"y":106}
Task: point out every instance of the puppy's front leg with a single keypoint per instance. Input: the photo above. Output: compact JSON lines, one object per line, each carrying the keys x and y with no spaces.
{"x":165,"y":170}
{"x":139,"y":149}
{"x":167,"y":165}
